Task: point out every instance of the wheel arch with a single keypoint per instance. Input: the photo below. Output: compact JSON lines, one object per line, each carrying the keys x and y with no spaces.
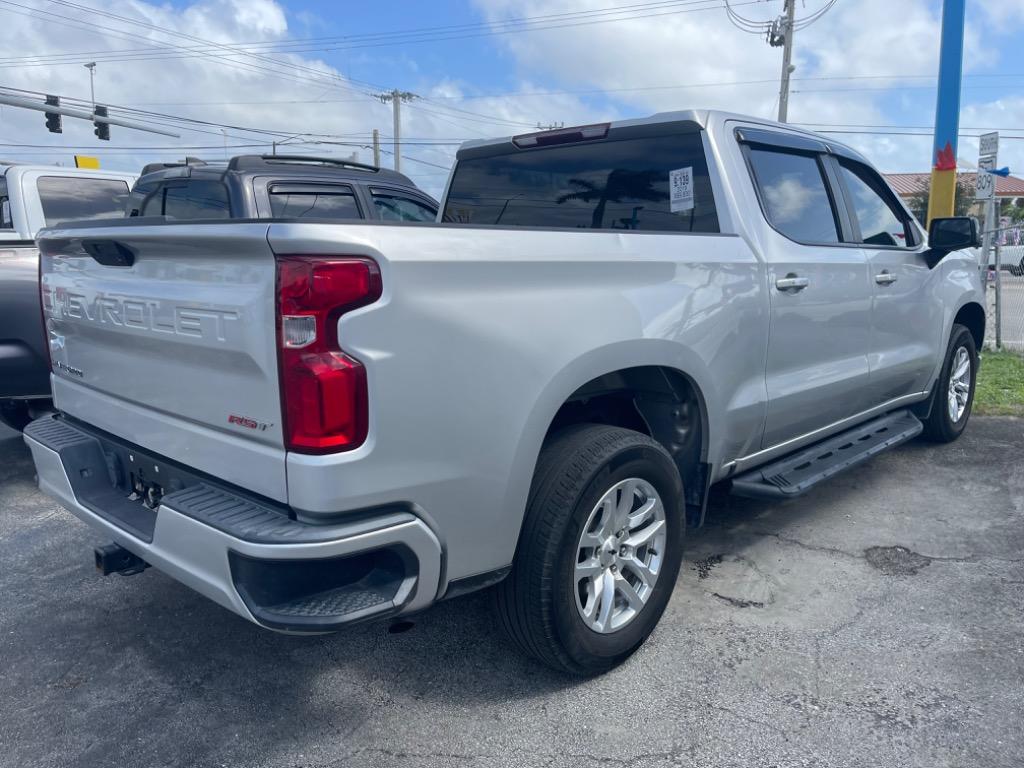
{"x":653,"y":386}
{"x":972,"y":316}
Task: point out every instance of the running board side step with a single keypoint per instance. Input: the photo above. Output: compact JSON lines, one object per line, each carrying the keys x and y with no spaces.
{"x":798,"y":472}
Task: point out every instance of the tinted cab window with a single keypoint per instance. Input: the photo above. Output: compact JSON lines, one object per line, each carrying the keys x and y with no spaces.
{"x":306,"y":201}
{"x":392,"y":205}
{"x":70,"y":198}
{"x":792,"y":189}
{"x":195,"y":199}
{"x":880,"y":219}
{"x":620,"y":184}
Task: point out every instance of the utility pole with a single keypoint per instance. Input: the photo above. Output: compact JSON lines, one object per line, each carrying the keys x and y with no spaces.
{"x":782,"y":34}
{"x":376,"y":147}
{"x":942,"y":192}
{"x":91,"y":66}
{"x":779,"y":34}
{"x":396,"y":97}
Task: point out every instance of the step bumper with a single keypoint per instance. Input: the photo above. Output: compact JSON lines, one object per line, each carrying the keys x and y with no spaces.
{"x":253,"y":560}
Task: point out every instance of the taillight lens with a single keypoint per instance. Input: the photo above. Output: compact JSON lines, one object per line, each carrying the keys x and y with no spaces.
{"x":323,"y":390}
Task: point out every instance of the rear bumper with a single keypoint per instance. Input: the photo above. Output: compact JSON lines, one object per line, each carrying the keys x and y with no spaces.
{"x":244,"y":555}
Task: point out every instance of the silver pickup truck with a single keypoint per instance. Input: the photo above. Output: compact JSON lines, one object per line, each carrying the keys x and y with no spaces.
{"x":318,"y":423}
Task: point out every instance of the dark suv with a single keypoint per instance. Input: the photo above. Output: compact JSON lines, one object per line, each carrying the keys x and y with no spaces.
{"x":278,"y":186}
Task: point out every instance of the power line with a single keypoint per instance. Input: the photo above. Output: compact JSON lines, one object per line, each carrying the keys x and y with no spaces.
{"x":599,"y":91}
{"x":332,"y":81}
{"x":429,"y":34}
{"x":272,"y":71}
{"x":281,"y":45}
{"x":779,"y":33}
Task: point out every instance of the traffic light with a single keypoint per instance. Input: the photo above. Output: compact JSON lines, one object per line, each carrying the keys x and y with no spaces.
{"x":102,"y":130}
{"x":53,"y":119}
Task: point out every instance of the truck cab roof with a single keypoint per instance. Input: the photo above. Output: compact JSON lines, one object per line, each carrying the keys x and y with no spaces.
{"x":269,"y":186}
{"x":707,"y":119}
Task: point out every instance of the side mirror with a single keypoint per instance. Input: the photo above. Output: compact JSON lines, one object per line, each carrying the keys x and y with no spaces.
{"x":953,"y":234}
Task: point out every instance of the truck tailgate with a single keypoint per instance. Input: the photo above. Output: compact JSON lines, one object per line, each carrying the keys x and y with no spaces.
{"x":165,"y":336}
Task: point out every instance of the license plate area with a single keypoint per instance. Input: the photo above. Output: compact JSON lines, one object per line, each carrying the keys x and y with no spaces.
{"x":120,"y":483}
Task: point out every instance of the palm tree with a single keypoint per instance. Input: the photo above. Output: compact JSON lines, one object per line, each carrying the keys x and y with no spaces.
{"x":620,"y":184}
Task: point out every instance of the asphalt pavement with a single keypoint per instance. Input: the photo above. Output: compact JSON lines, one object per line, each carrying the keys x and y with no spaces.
{"x":878,"y":621}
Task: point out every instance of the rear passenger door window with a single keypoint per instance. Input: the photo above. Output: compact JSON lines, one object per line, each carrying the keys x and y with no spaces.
{"x":794,"y":195}
{"x":392,"y":205}
{"x":881,"y":221}
{"x":313,"y":201}
{"x":192,"y":200}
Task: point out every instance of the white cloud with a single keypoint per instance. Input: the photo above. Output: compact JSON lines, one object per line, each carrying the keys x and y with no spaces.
{"x":859,"y":39}
{"x":310,"y":95}
{"x":626,"y":62}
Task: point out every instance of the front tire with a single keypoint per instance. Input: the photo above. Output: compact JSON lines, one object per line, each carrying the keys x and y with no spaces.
{"x":599,"y":552}
{"x":954,"y":395}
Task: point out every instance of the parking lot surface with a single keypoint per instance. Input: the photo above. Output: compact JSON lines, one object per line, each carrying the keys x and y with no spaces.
{"x":878,"y":621}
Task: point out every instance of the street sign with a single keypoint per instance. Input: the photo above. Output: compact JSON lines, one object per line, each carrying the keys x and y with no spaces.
{"x":986,"y":182}
{"x":988,"y":144}
{"x":988,"y":154}
{"x":86,"y":161}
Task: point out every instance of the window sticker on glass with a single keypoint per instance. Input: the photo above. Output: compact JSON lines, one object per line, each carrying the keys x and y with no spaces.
{"x":681,"y":186}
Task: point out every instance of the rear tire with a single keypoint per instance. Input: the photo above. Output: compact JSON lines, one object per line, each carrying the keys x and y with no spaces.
{"x":954,"y":394}
{"x":599,"y":551}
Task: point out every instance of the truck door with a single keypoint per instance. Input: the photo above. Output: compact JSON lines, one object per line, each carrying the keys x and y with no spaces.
{"x":906,"y":322}
{"x":820,"y":296}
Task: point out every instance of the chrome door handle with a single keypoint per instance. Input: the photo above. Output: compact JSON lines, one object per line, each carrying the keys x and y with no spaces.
{"x":792,"y":283}
{"x":886,"y":278}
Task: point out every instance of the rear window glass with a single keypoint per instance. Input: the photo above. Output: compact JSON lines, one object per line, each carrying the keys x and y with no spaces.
{"x":329,"y":203}
{"x":70,"y":198}
{"x":195,"y":200}
{"x":615,"y":184}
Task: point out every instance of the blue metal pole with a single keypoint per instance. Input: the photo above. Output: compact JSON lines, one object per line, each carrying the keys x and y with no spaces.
{"x":941,"y":201}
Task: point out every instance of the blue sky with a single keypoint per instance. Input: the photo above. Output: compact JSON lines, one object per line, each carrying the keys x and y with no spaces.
{"x":862,"y":64}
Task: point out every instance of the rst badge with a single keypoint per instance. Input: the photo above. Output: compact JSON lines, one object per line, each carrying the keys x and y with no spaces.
{"x":245,"y":421}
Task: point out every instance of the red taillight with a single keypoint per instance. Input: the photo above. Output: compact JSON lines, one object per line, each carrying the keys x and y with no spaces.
{"x":323,"y":390}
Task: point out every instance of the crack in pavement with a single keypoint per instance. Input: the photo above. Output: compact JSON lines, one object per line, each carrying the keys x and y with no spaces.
{"x":971,"y":558}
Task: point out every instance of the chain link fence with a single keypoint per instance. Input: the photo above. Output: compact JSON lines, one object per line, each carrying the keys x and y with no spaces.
{"x":1004,"y":328}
